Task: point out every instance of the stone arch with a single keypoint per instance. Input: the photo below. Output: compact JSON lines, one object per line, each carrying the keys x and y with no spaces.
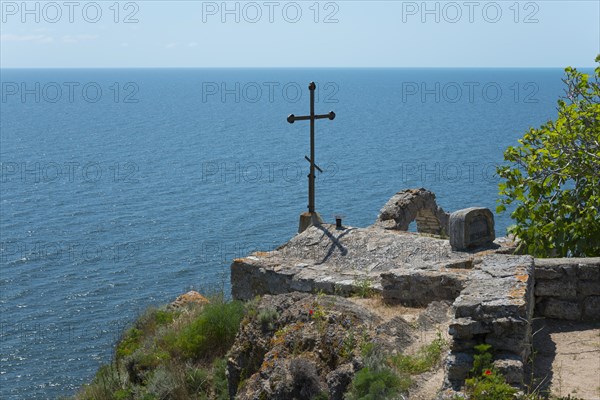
{"x":414,"y":205}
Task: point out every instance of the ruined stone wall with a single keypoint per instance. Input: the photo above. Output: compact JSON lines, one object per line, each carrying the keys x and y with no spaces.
{"x":414,"y":205}
{"x":568,"y":288}
{"x":496,"y":308}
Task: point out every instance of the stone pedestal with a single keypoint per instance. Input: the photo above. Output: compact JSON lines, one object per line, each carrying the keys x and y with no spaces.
{"x":471,"y":227}
{"x":308,"y":219}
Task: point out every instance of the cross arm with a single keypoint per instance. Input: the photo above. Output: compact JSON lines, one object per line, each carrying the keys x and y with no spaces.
{"x":292,"y":118}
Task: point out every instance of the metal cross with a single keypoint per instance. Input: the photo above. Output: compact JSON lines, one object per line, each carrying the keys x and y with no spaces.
{"x":312,"y":117}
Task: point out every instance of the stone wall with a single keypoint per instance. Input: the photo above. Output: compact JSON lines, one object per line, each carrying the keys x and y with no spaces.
{"x":496,"y":307}
{"x":568,"y":288}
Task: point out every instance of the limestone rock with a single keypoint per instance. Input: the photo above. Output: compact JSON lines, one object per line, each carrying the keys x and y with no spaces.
{"x":190,"y":298}
{"x":311,"y":346}
{"x":511,"y":367}
{"x":458,"y":366}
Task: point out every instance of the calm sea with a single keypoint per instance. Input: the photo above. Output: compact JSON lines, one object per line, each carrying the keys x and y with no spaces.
{"x":124,"y":188}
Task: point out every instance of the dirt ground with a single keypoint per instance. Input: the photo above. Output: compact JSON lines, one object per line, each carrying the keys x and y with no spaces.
{"x":427,"y":323}
{"x":567,"y":359}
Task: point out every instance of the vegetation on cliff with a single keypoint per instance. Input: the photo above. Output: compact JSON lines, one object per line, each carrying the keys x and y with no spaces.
{"x":301,"y":346}
{"x":171,"y":354}
{"x":293,"y":346}
{"x":553,"y":176}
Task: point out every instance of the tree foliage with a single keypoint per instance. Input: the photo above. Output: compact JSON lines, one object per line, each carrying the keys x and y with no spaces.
{"x":553,"y":176}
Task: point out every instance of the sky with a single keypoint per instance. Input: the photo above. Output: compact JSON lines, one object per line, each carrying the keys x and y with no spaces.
{"x":356,"y":33}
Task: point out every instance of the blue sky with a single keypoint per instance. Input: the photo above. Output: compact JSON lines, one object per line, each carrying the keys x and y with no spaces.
{"x":300,"y":34}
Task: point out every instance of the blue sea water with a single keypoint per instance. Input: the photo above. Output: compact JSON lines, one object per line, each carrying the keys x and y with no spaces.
{"x":124,"y":188}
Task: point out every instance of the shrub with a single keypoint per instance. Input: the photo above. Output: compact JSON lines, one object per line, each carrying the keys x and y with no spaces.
{"x":426,"y":358}
{"x":374,"y":385}
{"x":267,"y":317}
{"x":212,"y":333}
{"x":305,"y":377}
{"x":553,"y":176}
{"x":162,"y":383}
{"x":197,"y":379}
{"x":107,"y":385}
{"x":376,"y":380}
{"x":145,"y":326}
{"x":364,"y":287}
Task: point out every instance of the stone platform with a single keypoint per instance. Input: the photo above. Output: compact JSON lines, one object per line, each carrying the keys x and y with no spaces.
{"x":343,"y":261}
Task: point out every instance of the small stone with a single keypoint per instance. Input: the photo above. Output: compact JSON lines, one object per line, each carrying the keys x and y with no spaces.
{"x":511,"y":367}
{"x":514,"y":344}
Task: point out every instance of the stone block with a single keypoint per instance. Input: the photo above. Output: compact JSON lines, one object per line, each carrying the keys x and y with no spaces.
{"x":561,"y":309}
{"x":466,"y":328}
{"x":562,"y":288}
{"x":591,"y":308}
{"x":589,"y":272}
{"x":458,"y":366}
{"x":588,"y":288}
{"x":511,"y":367}
{"x":471,"y":227}
{"x":502,"y":287}
{"x":519,"y":345}
{"x":508,"y":326}
{"x":420,"y":287}
{"x":547,"y":273}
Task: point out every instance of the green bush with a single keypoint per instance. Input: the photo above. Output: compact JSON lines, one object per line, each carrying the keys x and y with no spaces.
{"x":165,"y":357}
{"x":145,"y":326}
{"x":364,"y":288}
{"x":374,"y":385}
{"x":376,"y":380}
{"x":212,"y":333}
{"x":130,"y":343}
{"x":107,"y":385}
{"x":163,"y":384}
{"x":553,"y":176}
{"x":267,"y":318}
{"x":425,"y":359}
{"x":197,"y":379}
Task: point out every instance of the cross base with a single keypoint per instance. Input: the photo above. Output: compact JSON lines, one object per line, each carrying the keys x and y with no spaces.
{"x":308,"y":219}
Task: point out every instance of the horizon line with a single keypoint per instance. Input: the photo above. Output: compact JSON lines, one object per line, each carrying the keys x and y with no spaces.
{"x":304,"y":67}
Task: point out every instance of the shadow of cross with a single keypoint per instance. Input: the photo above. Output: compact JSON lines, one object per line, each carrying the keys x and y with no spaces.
{"x":335,"y":243}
